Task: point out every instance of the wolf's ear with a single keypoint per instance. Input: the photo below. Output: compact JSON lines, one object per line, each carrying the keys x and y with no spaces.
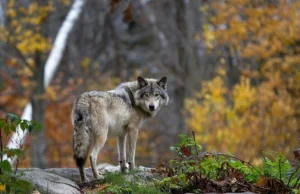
{"x":141,"y":82}
{"x":163,"y":83}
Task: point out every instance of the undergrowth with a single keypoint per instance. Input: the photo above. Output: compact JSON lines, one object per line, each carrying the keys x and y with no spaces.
{"x":196,"y":171}
{"x":118,"y":183}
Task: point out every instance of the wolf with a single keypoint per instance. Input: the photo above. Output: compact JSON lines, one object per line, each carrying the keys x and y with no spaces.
{"x":97,"y":115}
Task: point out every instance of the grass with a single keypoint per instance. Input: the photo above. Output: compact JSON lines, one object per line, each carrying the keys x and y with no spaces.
{"x":118,"y":183}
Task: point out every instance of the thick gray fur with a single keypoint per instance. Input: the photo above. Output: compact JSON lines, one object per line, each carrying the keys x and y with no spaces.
{"x":119,"y":113}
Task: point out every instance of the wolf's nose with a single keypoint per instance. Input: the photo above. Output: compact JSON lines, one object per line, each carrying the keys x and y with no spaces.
{"x":152,"y":107}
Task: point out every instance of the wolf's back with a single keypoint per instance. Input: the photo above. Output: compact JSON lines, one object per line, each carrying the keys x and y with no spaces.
{"x":81,"y":135}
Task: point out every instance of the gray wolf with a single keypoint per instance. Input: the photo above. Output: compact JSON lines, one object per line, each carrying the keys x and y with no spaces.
{"x":120,"y":113}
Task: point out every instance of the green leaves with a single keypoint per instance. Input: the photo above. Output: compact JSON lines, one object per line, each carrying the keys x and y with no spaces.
{"x":5,"y":166}
{"x":202,"y":171}
{"x":8,"y":125}
{"x":12,"y":121}
{"x":188,"y":146}
{"x":278,"y":168}
{"x":12,"y":117}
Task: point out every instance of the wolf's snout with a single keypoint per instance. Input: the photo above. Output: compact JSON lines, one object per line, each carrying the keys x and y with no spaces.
{"x":151,"y":107}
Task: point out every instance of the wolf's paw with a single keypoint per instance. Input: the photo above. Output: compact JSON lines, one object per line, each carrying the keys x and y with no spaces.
{"x":131,"y":166}
{"x":123,"y":169}
{"x":99,"y":176}
{"x":86,"y":180}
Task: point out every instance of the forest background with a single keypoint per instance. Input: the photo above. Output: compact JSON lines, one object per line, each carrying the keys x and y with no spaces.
{"x":233,"y":71}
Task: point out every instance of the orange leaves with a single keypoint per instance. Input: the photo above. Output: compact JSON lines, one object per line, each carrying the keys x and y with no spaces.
{"x":261,"y":29}
{"x":127,"y":14}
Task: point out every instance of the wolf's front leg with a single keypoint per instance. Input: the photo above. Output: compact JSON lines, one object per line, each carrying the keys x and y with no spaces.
{"x":122,"y":152}
{"x":132,"y":139}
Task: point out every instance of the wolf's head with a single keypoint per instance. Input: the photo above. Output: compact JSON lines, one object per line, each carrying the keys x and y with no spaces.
{"x":151,"y":94}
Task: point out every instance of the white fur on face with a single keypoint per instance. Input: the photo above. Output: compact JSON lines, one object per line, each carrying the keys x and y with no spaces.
{"x":153,"y":102}
{"x":145,"y":103}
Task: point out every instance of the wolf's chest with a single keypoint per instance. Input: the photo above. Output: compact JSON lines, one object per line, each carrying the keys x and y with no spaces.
{"x":119,"y":123}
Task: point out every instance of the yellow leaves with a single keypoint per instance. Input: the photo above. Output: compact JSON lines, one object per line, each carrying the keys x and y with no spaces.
{"x":33,"y":43}
{"x":52,"y":93}
{"x":243,"y":95}
{"x":32,"y":8}
{"x":265,"y":115}
{"x":11,"y":13}
{"x":85,"y":64}
{"x":27,"y":33}
{"x":65,"y":2}
{"x":11,"y":3}
{"x":24,"y":32}
{"x":280,"y":108}
{"x":247,"y":117}
{"x":3,"y":34}
{"x":221,"y":71}
{"x":209,"y":37}
{"x":14,"y":23}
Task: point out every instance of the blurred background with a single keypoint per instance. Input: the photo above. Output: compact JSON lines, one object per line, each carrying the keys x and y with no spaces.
{"x":233,"y":71}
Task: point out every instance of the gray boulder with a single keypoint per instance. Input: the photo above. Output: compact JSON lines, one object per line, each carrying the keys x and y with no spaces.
{"x":65,"y":180}
{"x":49,"y":183}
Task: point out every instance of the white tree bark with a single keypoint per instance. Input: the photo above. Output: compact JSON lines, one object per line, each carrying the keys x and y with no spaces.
{"x":61,"y":40}
{"x":52,"y":63}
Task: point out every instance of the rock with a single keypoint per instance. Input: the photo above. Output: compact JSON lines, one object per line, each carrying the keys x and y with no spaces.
{"x":65,"y":180}
{"x":46,"y":182}
{"x":70,"y":173}
{"x":73,"y":173}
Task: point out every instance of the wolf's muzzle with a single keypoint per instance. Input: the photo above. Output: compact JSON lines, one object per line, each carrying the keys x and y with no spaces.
{"x":152,"y":107}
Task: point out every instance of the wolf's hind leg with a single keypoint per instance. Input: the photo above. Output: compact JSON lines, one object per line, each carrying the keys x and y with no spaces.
{"x":122,"y":152}
{"x":84,"y":179}
{"x":99,"y":143}
{"x":80,"y":164}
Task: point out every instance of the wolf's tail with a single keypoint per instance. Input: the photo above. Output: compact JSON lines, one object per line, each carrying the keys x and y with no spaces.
{"x":81,"y":135}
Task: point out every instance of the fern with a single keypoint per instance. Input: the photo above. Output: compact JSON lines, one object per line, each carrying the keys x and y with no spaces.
{"x":279,"y":168}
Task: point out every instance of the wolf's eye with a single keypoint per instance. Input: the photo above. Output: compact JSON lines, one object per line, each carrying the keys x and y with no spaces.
{"x":146,"y":95}
{"x":156,"y":94}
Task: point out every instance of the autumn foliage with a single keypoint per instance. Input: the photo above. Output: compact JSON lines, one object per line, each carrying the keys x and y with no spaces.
{"x":261,"y":112}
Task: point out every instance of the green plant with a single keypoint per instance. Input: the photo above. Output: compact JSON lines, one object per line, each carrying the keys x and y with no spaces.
{"x":188,"y":146}
{"x":8,"y":178}
{"x":118,"y":183}
{"x":278,"y":168}
{"x":196,"y":171}
{"x":11,"y":185}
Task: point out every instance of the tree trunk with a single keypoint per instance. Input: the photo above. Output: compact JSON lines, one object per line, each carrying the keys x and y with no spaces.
{"x":39,"y":143}
{"x":185,"y":61}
